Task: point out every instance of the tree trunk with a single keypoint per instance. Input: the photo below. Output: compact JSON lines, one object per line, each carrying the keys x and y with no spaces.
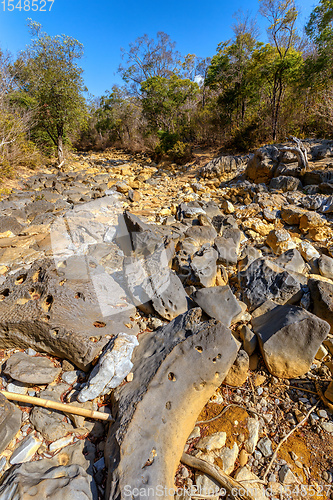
{"x":60,"y":149}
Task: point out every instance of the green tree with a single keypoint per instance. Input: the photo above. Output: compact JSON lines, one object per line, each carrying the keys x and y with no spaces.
{"x":281,"y":15}
{"x":48,"y":72}
{"x":118,"y":114}
{"x":167,"y":103}
{"x":230,"y":76}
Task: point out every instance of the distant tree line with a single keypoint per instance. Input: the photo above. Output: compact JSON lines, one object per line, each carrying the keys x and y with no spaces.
{"x":247,"y":94}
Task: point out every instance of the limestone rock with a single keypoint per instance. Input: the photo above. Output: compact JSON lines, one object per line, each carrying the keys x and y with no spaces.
{"x":201,"y":234}
{"x":219,"y":166}
{"x":176,"y":370}
{"x":260,"y":168}
{"x":291,"y":214}
{"x":227,"y":250}
{"x":10,"y":422}
{"x":285,"y":183}
{"x":326,"y":266}
{"x":237,"y":375}
{"x":69,"y":311}
{"x":291,"y":260}
{"x":248,"y":480}
{"x":308,"y":251}
{"x":322,"y":298}
{"x":281,"y":331}
{"x":31,"y":369}
{"x":112,"y":367}
{"x":249,"y":340}
{"x":215,"y":441}
{"x":204,"y":267}
{"x":218,"y":302}
{"x":280,"y":241}
{"x":229,"y":457}
{"x":50,"y":423}
{"x":40,"y":481}
{"x":264,"y":280}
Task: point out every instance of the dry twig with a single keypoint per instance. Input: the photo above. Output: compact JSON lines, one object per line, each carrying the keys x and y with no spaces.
{"x":234,"y":488}
{"x":285,"y":439}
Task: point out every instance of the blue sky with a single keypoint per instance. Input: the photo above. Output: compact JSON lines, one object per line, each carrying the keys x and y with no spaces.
{"x":103,"y":27}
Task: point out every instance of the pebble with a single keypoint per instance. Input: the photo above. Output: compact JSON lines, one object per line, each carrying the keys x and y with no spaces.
{"x":322,"y":413}
{"x":213,"y":442}
{"x":286,"y":476}
{"x":17,"y":388}
{"x":195,"y":433}
{"x":30,"y":352}
{"x":327,"y":426}
{"x":26,"y":449}
{"x":70,"y":377}
{"x":60,"y":443}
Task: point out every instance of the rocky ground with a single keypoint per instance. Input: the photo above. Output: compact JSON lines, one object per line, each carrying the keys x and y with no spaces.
{"x":192,"y":304}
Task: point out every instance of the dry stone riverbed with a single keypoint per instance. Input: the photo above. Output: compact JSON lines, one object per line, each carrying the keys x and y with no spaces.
{"x":191,"y":304}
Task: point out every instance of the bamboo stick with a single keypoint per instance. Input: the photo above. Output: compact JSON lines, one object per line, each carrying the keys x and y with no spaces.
{"x":46,"y":403}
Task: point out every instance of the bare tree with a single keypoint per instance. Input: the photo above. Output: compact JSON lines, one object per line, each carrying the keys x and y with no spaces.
{"x":147,"y":58}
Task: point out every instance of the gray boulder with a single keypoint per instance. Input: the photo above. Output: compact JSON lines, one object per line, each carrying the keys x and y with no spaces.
{"x":322,"y":299}
{"x":261,"y":167}
{"x":285,"y":183}
{"x":289,"y":338}
{"x":204,"y":268}
{"x":176,"y":370}
{"x":31,"y":369}
{"x":218,"y":302}
{"x":325,"y":265}
{"x":68,"y":311}
{"x":292,"y":261}
{"x":264,"y":280}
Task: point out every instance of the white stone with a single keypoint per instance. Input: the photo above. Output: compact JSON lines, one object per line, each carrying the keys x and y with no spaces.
{"x":247,"y":479}
{"x":195,"y":433}
{"x":228,"y":457}
{"x":213,"y":442}
{"x":308,"y":251}
{"x":17,"y":388}
{"x":60,"y":443}
{"x":251,"y":442}
{"x":112,"y":367}
{"x":327,"y":426}
{"x":70,"y":377}
{"x":26,"y":449}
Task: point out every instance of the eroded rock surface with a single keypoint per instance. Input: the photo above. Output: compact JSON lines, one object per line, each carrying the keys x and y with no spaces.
{"x":176,"y":370}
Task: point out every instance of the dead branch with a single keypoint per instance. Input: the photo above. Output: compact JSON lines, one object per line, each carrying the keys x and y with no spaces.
{"x":320,"y":393}
{"x":234,"y":488}
{"x":285,"y":439}
{"x":299,"y":151}
{"x":46,"y":403}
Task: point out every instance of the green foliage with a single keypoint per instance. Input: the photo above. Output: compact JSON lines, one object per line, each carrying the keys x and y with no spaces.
{"x":167,"y":103}
{"x":48,"y":74}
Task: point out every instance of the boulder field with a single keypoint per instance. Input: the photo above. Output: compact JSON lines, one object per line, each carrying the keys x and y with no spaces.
{"x":192,"y":305}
